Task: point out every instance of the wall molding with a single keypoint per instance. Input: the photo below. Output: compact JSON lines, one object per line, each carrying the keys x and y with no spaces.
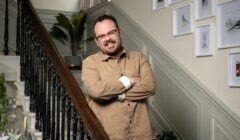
{"x":12,"y":7}
{"x":10,"y":66}
{"x":157,"y":50}
{"x":219,"y":128}
{"x":12,"y":11}
{"x":48,"y":16}
{"x":11,"y":47}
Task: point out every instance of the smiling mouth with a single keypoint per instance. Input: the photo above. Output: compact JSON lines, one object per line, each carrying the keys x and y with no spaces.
{"x":107,"y":43}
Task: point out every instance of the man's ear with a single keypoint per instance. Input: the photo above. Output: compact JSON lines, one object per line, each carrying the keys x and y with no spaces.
{"x":119,"y":31}
{"x":96,"y":41}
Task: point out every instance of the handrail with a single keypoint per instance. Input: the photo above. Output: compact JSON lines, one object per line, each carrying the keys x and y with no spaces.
{"x":89,"y":119}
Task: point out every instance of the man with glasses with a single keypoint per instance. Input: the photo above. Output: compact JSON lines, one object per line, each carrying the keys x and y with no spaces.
{"x":118,"y":84}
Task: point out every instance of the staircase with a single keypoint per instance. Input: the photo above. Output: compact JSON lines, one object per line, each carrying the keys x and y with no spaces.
{"x":53,"y":104}
{"x":10,"y":66}
{"x":180,"y":98}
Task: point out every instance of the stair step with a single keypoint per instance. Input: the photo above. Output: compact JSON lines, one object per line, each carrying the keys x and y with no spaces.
{"x":10,"y":66}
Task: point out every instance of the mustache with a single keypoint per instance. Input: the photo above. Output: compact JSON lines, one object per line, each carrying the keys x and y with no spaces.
{"x":109,"y":41}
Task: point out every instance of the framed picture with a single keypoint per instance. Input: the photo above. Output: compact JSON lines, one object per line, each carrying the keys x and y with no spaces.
{"x":173,"y":1}
{"x":203,"y":8}
{"x":158,"y":4}
{"x":203,"y":40}
{"x":228,"y":24}
{"x":234,"y":70}
{"x":182,"y":20}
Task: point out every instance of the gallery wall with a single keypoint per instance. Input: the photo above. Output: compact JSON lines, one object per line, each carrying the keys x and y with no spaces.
{"x":212,"y":69}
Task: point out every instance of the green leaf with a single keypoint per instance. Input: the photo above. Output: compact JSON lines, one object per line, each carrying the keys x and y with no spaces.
{"x":57,"y":33}
{"x":78,"y":22}
{"x":3,"y":103}
{"x":167,"y":135}
{"x":64,"y":22}
{"x":81,"y":26}
{"x":70,"y":29}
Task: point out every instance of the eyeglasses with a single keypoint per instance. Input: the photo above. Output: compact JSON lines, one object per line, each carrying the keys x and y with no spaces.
{"x":111,"y":33}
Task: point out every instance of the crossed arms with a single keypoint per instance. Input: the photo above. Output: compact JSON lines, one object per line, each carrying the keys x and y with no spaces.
{"x":142,"y":85}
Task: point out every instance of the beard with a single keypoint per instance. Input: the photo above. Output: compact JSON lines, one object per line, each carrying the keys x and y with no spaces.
{"x":118,"y":49}
{"x":110,"y":41}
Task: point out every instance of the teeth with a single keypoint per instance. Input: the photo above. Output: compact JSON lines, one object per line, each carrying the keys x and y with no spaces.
{"x":109,"y":44}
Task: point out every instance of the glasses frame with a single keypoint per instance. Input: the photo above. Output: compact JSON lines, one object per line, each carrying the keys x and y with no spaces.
{"x":110,"y":34}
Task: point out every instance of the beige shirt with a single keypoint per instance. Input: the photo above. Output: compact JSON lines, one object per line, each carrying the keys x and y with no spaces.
{"x":127,"y":120}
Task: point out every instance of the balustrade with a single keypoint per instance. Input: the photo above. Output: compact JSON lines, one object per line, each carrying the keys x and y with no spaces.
{"x":55,"y":97}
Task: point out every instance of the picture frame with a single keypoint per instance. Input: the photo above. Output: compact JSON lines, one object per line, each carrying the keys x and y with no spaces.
{"x":203,"y":9}
{"x":228,"y":24}
{"x":182,"y":20}
{"x":159,"y":4}
{"x":234,"y":70}
{"x":204,"y":40}
{"x":173,"y":1}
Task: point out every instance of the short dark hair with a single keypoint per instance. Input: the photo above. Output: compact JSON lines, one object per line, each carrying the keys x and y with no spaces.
{"x":106,"y":17}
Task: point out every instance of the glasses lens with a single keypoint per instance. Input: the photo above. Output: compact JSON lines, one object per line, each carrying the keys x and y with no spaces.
{"x":109,"y":34}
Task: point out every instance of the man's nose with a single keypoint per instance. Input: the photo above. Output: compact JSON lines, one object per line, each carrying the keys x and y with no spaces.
{"x":107,"y":37}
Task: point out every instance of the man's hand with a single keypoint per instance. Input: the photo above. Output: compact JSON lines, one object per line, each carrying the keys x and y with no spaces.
{"x":135,"y":78}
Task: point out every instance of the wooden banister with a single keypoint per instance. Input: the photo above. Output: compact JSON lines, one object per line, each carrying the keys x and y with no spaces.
{"x":89,"y":119}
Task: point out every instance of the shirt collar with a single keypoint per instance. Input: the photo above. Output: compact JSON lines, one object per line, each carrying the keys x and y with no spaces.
{"x":105,"y":57}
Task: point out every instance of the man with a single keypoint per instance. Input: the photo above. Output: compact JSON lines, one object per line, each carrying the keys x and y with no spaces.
{"x":118,"y":83}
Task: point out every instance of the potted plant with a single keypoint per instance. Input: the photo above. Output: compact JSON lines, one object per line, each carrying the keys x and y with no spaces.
{"x":3,"y":104}
{"x":167,"y":135}
{"x":71,"y":30}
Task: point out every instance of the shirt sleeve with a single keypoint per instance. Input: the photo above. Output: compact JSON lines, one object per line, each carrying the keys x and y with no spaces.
{"x":144,"y":88}
{"x":95,"y":87}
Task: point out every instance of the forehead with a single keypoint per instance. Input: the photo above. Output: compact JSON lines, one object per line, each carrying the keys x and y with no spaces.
{"x":104,"y":26}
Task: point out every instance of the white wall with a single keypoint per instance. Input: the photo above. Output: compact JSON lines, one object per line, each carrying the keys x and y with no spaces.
{"x":211,"y":70}
{"x":59,"y":5}
{"x":64,"y":5}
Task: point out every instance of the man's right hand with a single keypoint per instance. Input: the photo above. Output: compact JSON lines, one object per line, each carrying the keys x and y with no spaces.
{"x":135,"y":78}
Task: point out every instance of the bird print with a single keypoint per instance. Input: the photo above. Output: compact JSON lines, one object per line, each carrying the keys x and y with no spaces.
{"x":235,"y":26}
{"x":238,"y":69}
{"x":204,"y":2}
{"x":204,"y":40}
{"x":184,"y":21}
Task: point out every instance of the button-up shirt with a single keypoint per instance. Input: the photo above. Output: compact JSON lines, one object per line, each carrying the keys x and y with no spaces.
{"x":122,"y":120}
